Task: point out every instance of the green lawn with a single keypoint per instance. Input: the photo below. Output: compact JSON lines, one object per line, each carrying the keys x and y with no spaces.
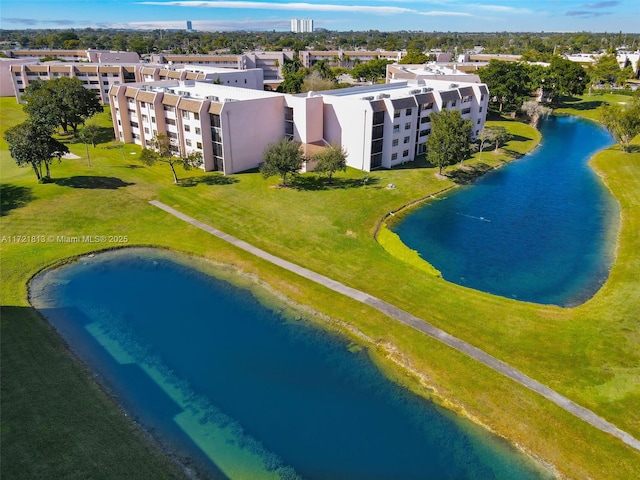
{"x":589,"y":353}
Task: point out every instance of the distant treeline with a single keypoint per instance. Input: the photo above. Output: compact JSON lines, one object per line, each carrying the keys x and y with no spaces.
{"x":536,"y":45}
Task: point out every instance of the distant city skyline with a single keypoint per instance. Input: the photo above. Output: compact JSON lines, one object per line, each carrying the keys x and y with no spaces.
{"x":341,"y":15}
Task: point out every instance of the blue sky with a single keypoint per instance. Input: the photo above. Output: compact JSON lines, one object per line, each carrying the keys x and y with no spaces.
{"x":385,"y":15}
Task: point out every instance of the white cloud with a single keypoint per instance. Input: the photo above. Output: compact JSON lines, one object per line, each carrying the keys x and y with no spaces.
{"x":500,"y":8}
{"x":204,"y":25}
{"x":300,"y":6}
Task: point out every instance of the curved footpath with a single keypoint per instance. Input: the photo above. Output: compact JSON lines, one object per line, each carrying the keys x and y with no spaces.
{"x":421,"y":325}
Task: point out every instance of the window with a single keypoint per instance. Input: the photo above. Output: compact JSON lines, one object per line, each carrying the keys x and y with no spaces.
{"x":153,"y":119}
{"x":478,"y":122}
{"x":465,"y":111}
{"x":480,"y":109}
{"x":427,"y":106}
{"x":395,"y":142}
{"x":396,"y":113}
{"x":185,"y":114}
{"x":146,"y":130}
{"x":426,"y":119}
{"x":396,"y":128}
{"x":187,"y":142}
{"x":145,"y":118}
{"x":197,"y":130}
{"x":405,"y":153}
{"x":187,"y":128}
{"x":170,"y":121}
{"x":167,"y":108}
{"x":409,"y":110}
{"x":453,"y":103}
{"x":424,"y":133}
{"x":105,"y":83}
{"x":172,"y":135}
{"x":196,"y":116}
{"x":199,"y":145}
{"x":407,"y":139}
{"x":466,"y":99}
{"x":103,"y":74}
{"x":394,"y":156}
{"x":143,"y":105}
{"x":134,"y":124}
{"x":481,"y":97}
{"x":19,"y":82}
{"x":407,"y":126}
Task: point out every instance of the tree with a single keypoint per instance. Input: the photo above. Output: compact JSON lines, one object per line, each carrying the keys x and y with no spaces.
{"x":371,"y":70}
{"x":566,"y":77}
{"x":331,"y":160}
{"x":162,"y":151}
{"x":535,"y":111}
{"x":605,"y":70}
{"x":484,"y":137}
{"x":283,"y":158}
{"x":508,"y":82}
{"x":500,"y":136}
{"x":622,"y":121}
{"x":32,"y":144}
{"x":450,"y":139}
{"x":414,"y":57}
{"x":314,"y":82}
{"x":62,"y":101}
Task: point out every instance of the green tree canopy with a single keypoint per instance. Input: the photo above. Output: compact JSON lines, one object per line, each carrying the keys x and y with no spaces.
{"x":331,"y":160}
{"x":450,"y":139}
{"x":371,"y":70}
{"x":282,"y":158}
{"x":62,"y":101}
{"x":565,"y":78}
{"x":162,"y":151}
{"x":622,"y":121}
{"x":414,"y":57}
{"x":32,"y":144}
{"x":509,"y":83}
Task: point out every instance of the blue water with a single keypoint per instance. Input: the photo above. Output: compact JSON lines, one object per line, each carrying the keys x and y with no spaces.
{"x":538,"y":230}
{"x":246,"y":391}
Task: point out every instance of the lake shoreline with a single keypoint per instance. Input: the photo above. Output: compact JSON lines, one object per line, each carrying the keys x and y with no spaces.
{"x":387,"y":359}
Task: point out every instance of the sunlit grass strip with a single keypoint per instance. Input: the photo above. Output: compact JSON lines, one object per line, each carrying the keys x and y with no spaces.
{"x":391,"y":242}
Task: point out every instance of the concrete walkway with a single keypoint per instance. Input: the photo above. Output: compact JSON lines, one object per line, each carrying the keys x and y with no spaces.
{"x":419,"y":324}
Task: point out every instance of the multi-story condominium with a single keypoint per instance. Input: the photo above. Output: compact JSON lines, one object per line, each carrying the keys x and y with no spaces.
{"x":92,"y":56}
{"x":301,"y":25}
{"x":429,"y":71}
{"x":98,"y":77}
{"x":346,"y":58}
{"x":101,"y":77}
{"x":246,"y":78}
{"x":269,"y":62}
{"x":379,"y":126}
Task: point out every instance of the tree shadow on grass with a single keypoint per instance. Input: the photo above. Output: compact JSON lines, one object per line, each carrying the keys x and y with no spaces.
{"x":419,"y":162}
{"x":592,"y":105}
{"x":13,"y":196}
{"x":213,"y":179}
{"x":314,"y":182}
{"x":468,"y":173}
{"x":91,"y":182}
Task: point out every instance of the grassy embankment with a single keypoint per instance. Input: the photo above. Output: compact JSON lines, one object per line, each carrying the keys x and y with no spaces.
{"x":56,"y":423}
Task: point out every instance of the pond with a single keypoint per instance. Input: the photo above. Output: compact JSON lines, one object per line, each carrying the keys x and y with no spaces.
{"x":541,"y":229}
{"x":246,"y":387}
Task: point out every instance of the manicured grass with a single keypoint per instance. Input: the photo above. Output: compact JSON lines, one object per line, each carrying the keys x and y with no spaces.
{"x":589,"y":353}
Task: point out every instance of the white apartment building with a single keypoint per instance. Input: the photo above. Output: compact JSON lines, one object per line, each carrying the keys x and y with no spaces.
{"x":380,"y":126}
{"x":101,"y":77}
{"x":301,"y":25}
{"x":97,"y":77}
